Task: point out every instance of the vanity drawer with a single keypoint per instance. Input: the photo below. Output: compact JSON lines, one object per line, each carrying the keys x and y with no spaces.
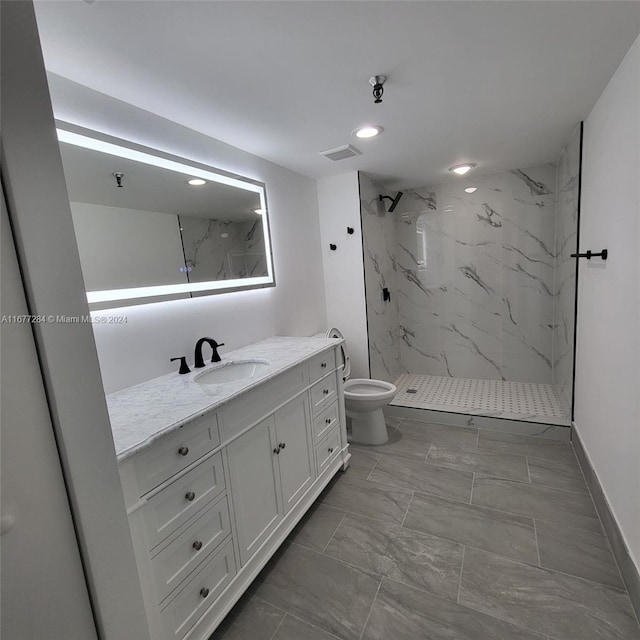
{"x":253,"y":407}
{"x":326,"y":421}
{"x":172,"y":454}
{"x":327,"y":450}
{"x":176,"y":503}
{"x":200,"y":592}
{"x":184,"y":554}
{"x":323,"y":393}
{"x":321,"y":365}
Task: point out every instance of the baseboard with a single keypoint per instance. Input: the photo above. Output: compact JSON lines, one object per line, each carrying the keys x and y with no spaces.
{"x":626,"y":564}
{"x":504,"y":425}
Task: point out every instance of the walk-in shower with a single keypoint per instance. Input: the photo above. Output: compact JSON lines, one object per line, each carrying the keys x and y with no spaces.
{"x":481,"y":313}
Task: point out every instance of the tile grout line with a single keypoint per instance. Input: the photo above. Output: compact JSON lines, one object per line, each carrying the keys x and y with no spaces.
{"x":464,"y":548}
{"x":535,"y":535}
{"x":370,"y":609}
{"x":406,"y":513}
{"x":273,"y":635}
{"x":334,"y":532}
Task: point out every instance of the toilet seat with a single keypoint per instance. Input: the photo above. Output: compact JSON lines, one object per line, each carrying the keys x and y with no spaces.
{"x":346,"y":369}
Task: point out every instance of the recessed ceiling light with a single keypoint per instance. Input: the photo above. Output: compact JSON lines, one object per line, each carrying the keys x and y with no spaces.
{"x":196,"y":182}
{"x":259,"y":211}
{"x":461,"y":169}
{"x":368,"y":131}
{"x":471,"y":189}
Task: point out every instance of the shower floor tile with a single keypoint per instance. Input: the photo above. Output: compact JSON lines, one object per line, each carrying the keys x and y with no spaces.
{"x":524,"y":401}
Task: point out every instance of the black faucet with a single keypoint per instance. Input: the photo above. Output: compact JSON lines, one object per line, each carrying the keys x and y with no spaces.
{"x":199,"y":362}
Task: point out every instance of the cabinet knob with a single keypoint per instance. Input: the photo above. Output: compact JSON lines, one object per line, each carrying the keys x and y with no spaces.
{"x":190,"y":496}
{"x":197,"y":545}
{"x":328,"y":420}
{"x":323,"y":365}
{"x":183,"y":451}
{"x":282,"y":445}
{"x":330,"y":449}
{"x":326,"y":392}
{"x":277,"y":451}
{"x":204,"y":592}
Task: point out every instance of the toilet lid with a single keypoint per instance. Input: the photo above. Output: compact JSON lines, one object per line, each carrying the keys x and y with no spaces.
{"x":335,"y":333}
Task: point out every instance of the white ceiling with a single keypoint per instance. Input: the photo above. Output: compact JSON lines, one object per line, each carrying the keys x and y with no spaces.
{"x":502,"y":84}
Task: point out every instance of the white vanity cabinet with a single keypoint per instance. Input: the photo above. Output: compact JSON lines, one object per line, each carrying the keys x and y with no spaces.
{"x":210,"y":502}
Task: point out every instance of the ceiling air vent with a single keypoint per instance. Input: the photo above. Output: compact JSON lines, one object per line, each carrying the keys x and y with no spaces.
{"x":341,"y":153}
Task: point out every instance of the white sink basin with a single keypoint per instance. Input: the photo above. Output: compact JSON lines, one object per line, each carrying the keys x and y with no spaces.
{"x":232,"y":372}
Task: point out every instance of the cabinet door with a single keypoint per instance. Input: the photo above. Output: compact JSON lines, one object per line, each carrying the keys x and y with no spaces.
{"x":254,"y":486}
{"x":297,"y":470}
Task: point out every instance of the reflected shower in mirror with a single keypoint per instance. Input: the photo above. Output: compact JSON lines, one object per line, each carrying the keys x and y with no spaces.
{"x":151,"y":226}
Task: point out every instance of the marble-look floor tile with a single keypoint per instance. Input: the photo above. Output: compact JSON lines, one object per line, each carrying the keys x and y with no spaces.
{"x":368,"y":498}
{"x":470,"y":458}
{"x":250,"y":618}
{"x":361,"y":462}
{"x":317,"y":526}
{"x":410,"y":557}
{"x":404,"y":613}
{"x":559,"y":474}
{"x":440,"y":433}
{"x":503,"y":533}
{"x":419,"y":476}
{"x":296,"y":629}
{"x":563,"y":507}
{"x":525,"y":445}
{"x":561,"y":606}
{"x":398,"y":445}
{"x":323,"y":591}
{"x":580,"y":553}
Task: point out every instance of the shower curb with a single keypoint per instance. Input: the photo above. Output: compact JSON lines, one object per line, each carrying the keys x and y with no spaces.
{"x":628,"y":569}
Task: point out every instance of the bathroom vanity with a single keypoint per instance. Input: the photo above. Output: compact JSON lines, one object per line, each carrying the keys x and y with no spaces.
{"x":218,"y":466}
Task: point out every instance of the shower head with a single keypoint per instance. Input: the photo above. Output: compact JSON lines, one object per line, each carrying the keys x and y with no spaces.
{"x":394,"y":201}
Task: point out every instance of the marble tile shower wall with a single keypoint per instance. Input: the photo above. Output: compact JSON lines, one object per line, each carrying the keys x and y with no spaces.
{"x":474,"y":278}
{"x":379,"y":241}
{"x":568,"y":174}
{"x":379,"y":250}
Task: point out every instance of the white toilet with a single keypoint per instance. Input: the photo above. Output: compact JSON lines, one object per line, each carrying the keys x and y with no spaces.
{"x":363,"y":401}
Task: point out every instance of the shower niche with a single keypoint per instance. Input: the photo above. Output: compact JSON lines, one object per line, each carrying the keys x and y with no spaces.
{"x":481,"y":319}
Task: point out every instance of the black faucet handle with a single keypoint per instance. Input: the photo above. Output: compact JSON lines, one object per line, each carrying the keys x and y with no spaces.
{"x":184,"y":368}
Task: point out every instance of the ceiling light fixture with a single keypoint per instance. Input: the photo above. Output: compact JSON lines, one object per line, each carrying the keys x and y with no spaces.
{"x":196,"y":182}
{"x":260,"y":212}
{"x":471,"y":189}
{"x":368,"y":131}
{"x":461,"y":169}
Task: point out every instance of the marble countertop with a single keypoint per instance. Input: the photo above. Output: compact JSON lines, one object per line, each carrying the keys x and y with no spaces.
{"x":143,"y":414}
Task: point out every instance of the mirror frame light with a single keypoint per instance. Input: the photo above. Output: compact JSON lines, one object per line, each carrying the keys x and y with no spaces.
{"x":72,"y":134}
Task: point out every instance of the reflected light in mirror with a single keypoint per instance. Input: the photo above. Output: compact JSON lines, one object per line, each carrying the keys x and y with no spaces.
{"x":195,"y":173}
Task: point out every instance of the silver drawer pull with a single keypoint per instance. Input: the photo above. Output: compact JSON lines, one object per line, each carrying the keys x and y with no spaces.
{"x":204,"y":592}
{"x":183,"y":451}
{"x":197,"y":545}
{"x":190,"y":496}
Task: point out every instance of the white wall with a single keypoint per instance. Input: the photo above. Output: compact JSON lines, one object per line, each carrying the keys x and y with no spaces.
{"x":140,"y":349}
{"x":339,"y":207}
{"x":607,"y":411}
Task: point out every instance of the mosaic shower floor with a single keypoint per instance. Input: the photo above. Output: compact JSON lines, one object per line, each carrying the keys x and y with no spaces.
{"x":524,"y":401}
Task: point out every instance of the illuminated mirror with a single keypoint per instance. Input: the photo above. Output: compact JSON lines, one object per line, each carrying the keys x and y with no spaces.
{"x":151,"y":226}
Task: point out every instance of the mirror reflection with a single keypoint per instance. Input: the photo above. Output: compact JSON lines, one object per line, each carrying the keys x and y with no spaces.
{"x":150,"y":225}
